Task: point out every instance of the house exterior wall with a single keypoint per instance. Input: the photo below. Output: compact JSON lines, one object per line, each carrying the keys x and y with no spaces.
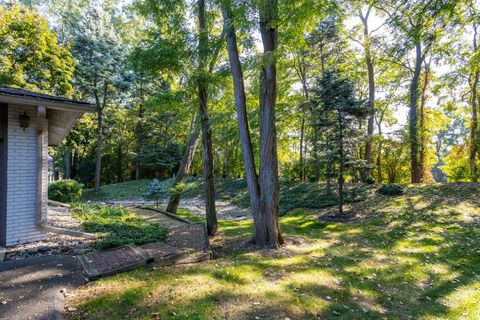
{"x":22,"y":177}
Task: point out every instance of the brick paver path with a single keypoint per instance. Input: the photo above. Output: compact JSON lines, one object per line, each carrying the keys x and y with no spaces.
{"x":105,"y":261}
{"x":181,"y":236}
{"x":191,"y":236}
{"x":158,"y":217}
{"x":158,"y":250}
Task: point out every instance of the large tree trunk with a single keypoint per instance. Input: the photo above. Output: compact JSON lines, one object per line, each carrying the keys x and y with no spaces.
{"x":241,"y":104}
{"x":422,"y":126}
{"x":474,"y":101}
{"x":182,"y":172}
{"x":191,"y":146}
{"x":267,"y":231}
{"x":212,"y":223}
{"x":416,"y":170}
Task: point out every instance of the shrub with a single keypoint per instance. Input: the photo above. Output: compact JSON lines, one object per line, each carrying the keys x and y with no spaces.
{"x":370,"y":180}
{"x":391,"y":189}
{"x":156,"y":192}
{"x":67,"y":191}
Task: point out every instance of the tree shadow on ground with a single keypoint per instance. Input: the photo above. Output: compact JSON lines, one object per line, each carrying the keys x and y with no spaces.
{"x":412,"y":257}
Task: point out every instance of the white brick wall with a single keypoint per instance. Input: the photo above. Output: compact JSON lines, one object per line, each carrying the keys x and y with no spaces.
{"x":21,"y":177}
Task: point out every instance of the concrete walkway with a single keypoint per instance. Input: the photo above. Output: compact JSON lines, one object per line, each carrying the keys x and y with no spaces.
{"x":31,"y":288}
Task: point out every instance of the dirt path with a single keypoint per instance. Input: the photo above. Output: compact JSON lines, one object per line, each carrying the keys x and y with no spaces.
{"x":225,"y":209}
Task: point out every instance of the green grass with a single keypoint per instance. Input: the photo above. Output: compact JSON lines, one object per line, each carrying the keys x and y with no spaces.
{"x":117,"y":226}
{"x":292,"y":194}
{"x":415,"y":256}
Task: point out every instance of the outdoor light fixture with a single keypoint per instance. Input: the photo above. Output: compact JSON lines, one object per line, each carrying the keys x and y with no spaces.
{"x":24,"y":121}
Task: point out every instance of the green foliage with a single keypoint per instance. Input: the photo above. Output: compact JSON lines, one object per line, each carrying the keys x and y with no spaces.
{"x":457,"y":166}
{"x":131,"y":190}
{"x":116,"y":226}
{"x":314,"y":196}
{"x":391,"y":189}
{"x":67,"y":191}
{"x":156,"y":191}
{"x":30,"y":54}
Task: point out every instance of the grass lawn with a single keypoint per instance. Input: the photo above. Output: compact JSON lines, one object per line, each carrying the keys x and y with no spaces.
{"x":415,"y":256}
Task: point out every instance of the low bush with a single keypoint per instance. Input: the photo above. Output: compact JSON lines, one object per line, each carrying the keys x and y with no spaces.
{"x":116,"y":226}
{"x":392,"y":189}
{"x":370,"y":181}
{"x":66,"y":191}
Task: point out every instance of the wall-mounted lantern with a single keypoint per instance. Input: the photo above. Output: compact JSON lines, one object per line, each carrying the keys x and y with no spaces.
{"x":24,"y":121}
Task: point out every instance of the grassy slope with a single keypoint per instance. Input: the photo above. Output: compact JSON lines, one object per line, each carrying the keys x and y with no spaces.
{"x":414,"y":257}
{"x":292,"y":195}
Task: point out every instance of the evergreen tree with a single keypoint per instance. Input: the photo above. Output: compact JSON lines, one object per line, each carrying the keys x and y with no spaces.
{"x":341,"y":112}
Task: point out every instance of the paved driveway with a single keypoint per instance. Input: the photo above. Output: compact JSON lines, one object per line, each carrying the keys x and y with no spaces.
{"x":30,"y":288}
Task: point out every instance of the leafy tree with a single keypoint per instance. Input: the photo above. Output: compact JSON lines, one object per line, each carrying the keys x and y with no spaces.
{"x":30,"y":54}
{"x":98,"y":72}
{"x":456,"y":165}
{"x":420,"y":24}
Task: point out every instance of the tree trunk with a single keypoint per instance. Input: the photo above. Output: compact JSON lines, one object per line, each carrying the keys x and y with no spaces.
{"x":422,"y":124}
{"x":474,"y":139}
{"x":212,"y":223}
{"x":416,"y":172}
{"x":302,"y":128}
{"x":379,"y":154}
{"x":242,"y":118}
{"x":316,"y":158}
{"x":100,"y":108}
{"x":138,"y":136}
{"x":191,"y":146}
{"x":267,"y":232}
{"x":302,"y":134}
{"x":328,"y":168}
{"x":75,"y":159}
{"x":371,"y":95}
{"x":474,"y":101}
{"x":182,"y":172}
{"x":68,"y":164}
{"x":341,"y":166}
{"x":98,"y":165}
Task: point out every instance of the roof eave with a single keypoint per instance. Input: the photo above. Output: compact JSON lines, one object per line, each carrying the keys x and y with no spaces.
{"x":49,"y":104}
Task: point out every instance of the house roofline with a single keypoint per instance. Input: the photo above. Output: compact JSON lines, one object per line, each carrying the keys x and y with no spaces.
{"x":21,"y":96}
{"x":49,"y":104}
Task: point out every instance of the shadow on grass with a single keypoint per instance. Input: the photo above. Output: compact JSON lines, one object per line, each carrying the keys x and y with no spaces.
{"x":413,"y":257}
